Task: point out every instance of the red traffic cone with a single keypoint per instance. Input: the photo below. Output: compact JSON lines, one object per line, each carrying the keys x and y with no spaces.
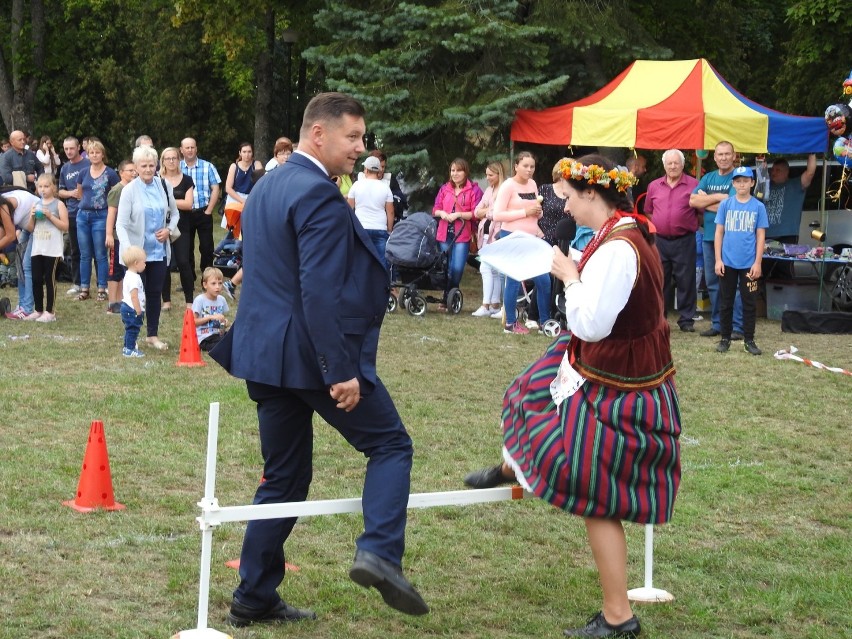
{"x":190,"y":353}
{"x":95,"y":488}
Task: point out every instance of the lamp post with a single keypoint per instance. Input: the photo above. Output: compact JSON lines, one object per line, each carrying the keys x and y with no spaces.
{"x":289,"y":36}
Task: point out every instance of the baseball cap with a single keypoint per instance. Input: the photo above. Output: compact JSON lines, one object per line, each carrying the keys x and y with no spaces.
{"x":372,"y":163}
{"x":743,"y":171}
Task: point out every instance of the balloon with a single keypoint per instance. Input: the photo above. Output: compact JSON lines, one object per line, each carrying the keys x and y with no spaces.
{"x":701,"y":154}
{"x":843,"y":151}
{"x":838,"y":117}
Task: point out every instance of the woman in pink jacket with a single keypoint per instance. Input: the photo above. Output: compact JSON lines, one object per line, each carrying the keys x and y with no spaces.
{"x":454,"y":206}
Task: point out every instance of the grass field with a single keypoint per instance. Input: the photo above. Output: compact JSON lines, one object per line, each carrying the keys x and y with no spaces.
{"x":759,"y":546}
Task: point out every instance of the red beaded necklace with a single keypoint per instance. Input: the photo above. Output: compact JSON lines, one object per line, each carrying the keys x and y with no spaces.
{"x":599,"y":237}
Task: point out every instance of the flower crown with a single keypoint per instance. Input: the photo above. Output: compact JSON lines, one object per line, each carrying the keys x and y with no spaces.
{"x":594,"y":174}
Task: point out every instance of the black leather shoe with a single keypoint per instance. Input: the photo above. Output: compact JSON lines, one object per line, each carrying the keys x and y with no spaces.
{"x":710,"y":332}
{"x":370,"y":570}
{"x":597,"y":626}
{"x":687,"y":328}
{"x":241,"y":616}
{"x":488,"y":477}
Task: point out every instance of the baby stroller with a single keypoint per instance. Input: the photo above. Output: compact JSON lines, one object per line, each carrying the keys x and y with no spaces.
{"x":419,"y":264}
{"x":228,"y":255}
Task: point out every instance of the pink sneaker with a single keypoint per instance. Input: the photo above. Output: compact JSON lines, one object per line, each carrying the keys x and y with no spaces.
{"x":18,"y":313}
{"x":32,"y":316}
{"x":517,"y":329}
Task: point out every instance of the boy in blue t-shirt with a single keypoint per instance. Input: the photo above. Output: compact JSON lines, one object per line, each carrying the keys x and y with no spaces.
{"x":741,"y":223}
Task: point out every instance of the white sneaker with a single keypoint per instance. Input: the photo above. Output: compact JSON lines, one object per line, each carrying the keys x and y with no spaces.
{"x":532,"y":325}
{"x":74,"y":290}
{"x":46,"y":317}
{"x":498,"y":314}
{"x":482,"y":311}
{"x":32,"y":316}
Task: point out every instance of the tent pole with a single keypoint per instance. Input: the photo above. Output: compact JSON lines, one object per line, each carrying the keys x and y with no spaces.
{"x":511,"y":154}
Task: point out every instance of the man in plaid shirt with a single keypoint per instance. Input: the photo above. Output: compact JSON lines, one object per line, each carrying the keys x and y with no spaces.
{"x":200,"y":218}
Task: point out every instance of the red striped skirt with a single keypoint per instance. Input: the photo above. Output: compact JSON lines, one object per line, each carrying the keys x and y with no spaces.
{"x":606,"y":453}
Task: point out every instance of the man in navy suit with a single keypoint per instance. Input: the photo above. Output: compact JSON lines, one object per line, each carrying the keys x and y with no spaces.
{"x":305,"y":340}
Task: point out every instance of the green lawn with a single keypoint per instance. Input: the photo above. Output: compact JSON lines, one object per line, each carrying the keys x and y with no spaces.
{"x":759,"y":545}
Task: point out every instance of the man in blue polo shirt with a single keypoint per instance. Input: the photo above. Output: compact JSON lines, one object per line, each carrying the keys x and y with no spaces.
{"x":713,"y":188}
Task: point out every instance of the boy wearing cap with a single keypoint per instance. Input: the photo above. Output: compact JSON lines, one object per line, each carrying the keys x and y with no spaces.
{"x":372,"y":200}
{"x":741,"y":224}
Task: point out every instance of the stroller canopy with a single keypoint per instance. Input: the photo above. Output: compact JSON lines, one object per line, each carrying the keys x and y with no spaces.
{"x":412,"y":243}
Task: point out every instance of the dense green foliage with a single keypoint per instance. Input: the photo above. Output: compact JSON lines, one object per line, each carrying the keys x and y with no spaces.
{"x":440,"y":78}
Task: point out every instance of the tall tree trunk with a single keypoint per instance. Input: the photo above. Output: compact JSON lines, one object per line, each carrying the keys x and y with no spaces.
{"x":263,"y":99}
{"x":18,"y":85}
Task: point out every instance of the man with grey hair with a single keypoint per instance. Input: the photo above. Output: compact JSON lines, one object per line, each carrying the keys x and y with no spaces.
{"x":667,"y":203}
{"x":19,"y":165}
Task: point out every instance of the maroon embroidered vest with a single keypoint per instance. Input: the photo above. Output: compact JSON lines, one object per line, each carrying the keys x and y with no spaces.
{"x":636,"y":355}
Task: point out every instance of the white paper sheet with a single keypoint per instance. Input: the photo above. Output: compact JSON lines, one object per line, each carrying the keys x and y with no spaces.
{"x":519,"y":255}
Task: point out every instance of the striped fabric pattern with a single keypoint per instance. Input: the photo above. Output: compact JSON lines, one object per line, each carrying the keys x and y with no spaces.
{"x":607,"y":453}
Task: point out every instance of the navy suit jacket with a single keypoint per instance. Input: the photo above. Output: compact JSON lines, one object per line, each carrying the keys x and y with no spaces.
{"x":314,"y":290}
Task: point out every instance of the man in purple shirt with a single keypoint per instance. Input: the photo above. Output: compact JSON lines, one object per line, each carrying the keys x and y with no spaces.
{"x":667,"y":203}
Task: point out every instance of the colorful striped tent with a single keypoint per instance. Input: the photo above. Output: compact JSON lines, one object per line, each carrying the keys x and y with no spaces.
{"x":681,"y":104}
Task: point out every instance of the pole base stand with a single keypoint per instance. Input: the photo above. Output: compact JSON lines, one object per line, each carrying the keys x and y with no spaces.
{"x":649,"y":595}
{"x":201,"y":633}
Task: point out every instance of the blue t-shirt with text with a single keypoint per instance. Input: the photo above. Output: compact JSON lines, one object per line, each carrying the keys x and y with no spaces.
{"x":68,"y":175}
{"x":741,"y":221}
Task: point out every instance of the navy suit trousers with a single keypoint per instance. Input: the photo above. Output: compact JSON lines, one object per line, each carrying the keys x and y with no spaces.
{"x":286,"y":439}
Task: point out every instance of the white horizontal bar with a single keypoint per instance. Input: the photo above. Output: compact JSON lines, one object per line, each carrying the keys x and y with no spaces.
{"x":214,"y":515}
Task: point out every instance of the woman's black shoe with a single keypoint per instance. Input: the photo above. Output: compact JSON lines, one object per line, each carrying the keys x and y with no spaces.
{"x":488,"y":477}
{"x":597,"y":626}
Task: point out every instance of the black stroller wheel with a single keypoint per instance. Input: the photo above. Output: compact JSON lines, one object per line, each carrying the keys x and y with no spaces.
{"x":455,"y":301}
{"x":416,"y":305}
{"x":392,"y":303}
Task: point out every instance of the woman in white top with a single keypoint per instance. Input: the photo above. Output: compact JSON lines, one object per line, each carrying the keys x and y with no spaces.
{"x":48,"y":156}
{"x":372,"y":200}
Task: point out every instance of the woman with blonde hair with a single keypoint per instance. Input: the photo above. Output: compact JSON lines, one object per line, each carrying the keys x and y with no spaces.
{"x":147,"y":216}
{"x":93,"y":186}
{"x":554,"y":196}
{"x":487,"y":231}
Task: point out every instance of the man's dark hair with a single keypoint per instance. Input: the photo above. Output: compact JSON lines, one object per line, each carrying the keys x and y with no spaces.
{"x":328,"y":107}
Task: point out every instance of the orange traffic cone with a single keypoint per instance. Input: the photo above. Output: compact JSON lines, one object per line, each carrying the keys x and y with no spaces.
{"x":190,"y":353}
{"x":95,"y":487}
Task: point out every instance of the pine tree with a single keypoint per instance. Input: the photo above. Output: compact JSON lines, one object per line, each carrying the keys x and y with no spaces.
{"x":439,"y":79}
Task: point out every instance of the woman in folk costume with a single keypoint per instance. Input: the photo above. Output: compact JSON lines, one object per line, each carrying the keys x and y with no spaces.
{"x":593,"y":426}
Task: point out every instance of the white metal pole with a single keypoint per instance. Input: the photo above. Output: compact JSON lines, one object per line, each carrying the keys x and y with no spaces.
{"x":209,"y":500}
{"x":649,"y":594}
{"x":207,"y":530}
